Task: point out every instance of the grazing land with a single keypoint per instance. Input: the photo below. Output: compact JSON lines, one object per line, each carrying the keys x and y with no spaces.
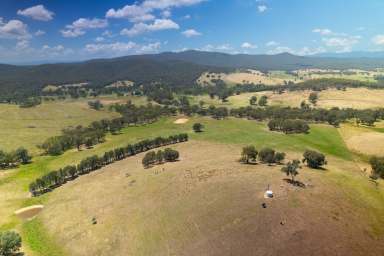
{"x":209,"y":202}
{"x":357,"y":98}
{"x":220,"y":197}
{"x":31,"y":126}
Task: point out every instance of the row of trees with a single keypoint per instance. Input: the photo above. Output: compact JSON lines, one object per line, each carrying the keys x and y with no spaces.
{"x":56,"y":178}
{"x":14,"y":158}
{"x":249,"y":154}
{"x":288,"y":125}
{"x":263,"y":101}
{"x":96,"y":132}
{"x":159,"y":157}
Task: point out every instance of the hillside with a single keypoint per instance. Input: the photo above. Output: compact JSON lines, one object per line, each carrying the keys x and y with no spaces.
{"x":174,"y":69}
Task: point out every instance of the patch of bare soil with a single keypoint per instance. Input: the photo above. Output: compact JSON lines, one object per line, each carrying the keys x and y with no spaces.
{"x":181,"y":121}
{"x":207,"y":204}
{"x":29,"y":212}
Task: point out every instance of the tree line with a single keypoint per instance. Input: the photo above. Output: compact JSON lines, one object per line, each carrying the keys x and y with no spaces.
{"x":95,"y":133}
{"x":159,"y":157}
{"x":288,"y":125}
{"x":56,"y":178}
{"x":14,"y":158}
{"x":250,"y":154}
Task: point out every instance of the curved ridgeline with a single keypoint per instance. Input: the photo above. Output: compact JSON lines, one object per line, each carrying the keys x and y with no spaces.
{"x":59,"y":177}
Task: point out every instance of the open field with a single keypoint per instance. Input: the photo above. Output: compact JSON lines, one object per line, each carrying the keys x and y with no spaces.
{"x":215,"y":220}
{"x":249,"y":76}
{"x":281,"y":77}
{"x":358,"y":98}
{"x":28,"y":127}
{"x":209,"y":204}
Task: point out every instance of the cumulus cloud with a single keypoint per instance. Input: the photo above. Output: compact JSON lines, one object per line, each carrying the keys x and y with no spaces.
{"x":262,"y":8}
{"x":271,"y":44}
{"x":13,"y":29}
{"x":144,"y":11}
{"x":39,"y":32}
{"x":120,"y":48}
{"x":322,"y":31}
{"x":301,"y":52}
{"x":341,"y":44}
{"x":247,"y":45}
{"x":99,"y":39}
{"x":191,"y":33}
{"x":38,"y":12}
{"x":221,"y":47}
{"x":157,"y":25}
{"x":134,"y":13}
{"x":378,"y":40}
{"x":79,"y":27}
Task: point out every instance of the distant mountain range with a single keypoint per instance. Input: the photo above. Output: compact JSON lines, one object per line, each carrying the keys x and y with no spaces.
{"x":175,"y":69}
{"x":358,"y":54}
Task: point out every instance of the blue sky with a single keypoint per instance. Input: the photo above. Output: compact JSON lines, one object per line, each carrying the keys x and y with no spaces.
{"x":32,"y":30}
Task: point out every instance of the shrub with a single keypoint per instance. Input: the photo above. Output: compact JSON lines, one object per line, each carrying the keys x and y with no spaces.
{"x":171,"y":155}
{"x":10,"y":243}
{"x":267,"y":155}
{"x":314,"y":159}
{"x":377,"y":164}
{"x":249,"y":153}
{"x":198,"y":127}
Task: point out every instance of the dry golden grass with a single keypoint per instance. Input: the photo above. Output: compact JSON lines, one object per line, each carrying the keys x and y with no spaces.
{"x":358,"y":98}
{"x":207,"y":204}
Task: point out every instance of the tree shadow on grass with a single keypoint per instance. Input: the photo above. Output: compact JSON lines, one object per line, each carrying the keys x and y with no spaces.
{"x":295,"y":183}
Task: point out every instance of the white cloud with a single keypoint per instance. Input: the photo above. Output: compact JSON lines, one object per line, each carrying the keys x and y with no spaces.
{"x":271,"y":44}
{"x":114,"y":48}
{"x":262,"y":8}
{"x":166,"y":14}
{"x":164,"y":4}
{"x":247,"y":45}
{"x":222,"y":47}
{"x":121,"y":48}
{"x":107,"y":33}
{"x":22,"y":45}
{"x":134,"y":13}
{"x":13,"y":29}
{"x":99,"y":39}
{"x":79,"y":27}
{"x":157,"y":25}
{"x":144,"y":11}
{"x":341,"y":44}
{"x":187,"y":17}
{"x":301,"y":52}
{"x":39,"y":32}
{"x":322,"y":31}
{"x":153,"y":47}
{"x":378,"y":40}
{"x":38,"y":12}
{"x":191,"y":33}
{"x":54,"y":51}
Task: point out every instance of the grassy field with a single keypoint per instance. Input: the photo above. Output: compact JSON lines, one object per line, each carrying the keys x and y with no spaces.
{"x":358,"y":98}
{"x":28,"y":127}
{"x":219,"y":138}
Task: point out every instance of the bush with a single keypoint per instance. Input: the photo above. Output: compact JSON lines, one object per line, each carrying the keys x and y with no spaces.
{"x":314,"y":159}
{"x":279,"y":157}
{"x":377,"y":164}
{"x":10,"y":243}
{"x":171,"y":155}
{"x":249,"y":153}
{"x":198,"y":127}
{"x":267,"y":155}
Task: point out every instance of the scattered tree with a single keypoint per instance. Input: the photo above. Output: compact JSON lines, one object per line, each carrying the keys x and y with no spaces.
{"x":377,"y":164}
{"x":263,"y":101}
{"x":253,"y":100}
{"x":313,"y":97}
{"x":249,"y":153}
{"x":171,"y":155}
{"x":314,"y":159}
{"x":198,"y":127}
{"x":267,"y":155}
{"x":291,"y":169}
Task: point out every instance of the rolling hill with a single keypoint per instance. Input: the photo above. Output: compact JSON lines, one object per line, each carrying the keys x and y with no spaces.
{"x":175,"y":69}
